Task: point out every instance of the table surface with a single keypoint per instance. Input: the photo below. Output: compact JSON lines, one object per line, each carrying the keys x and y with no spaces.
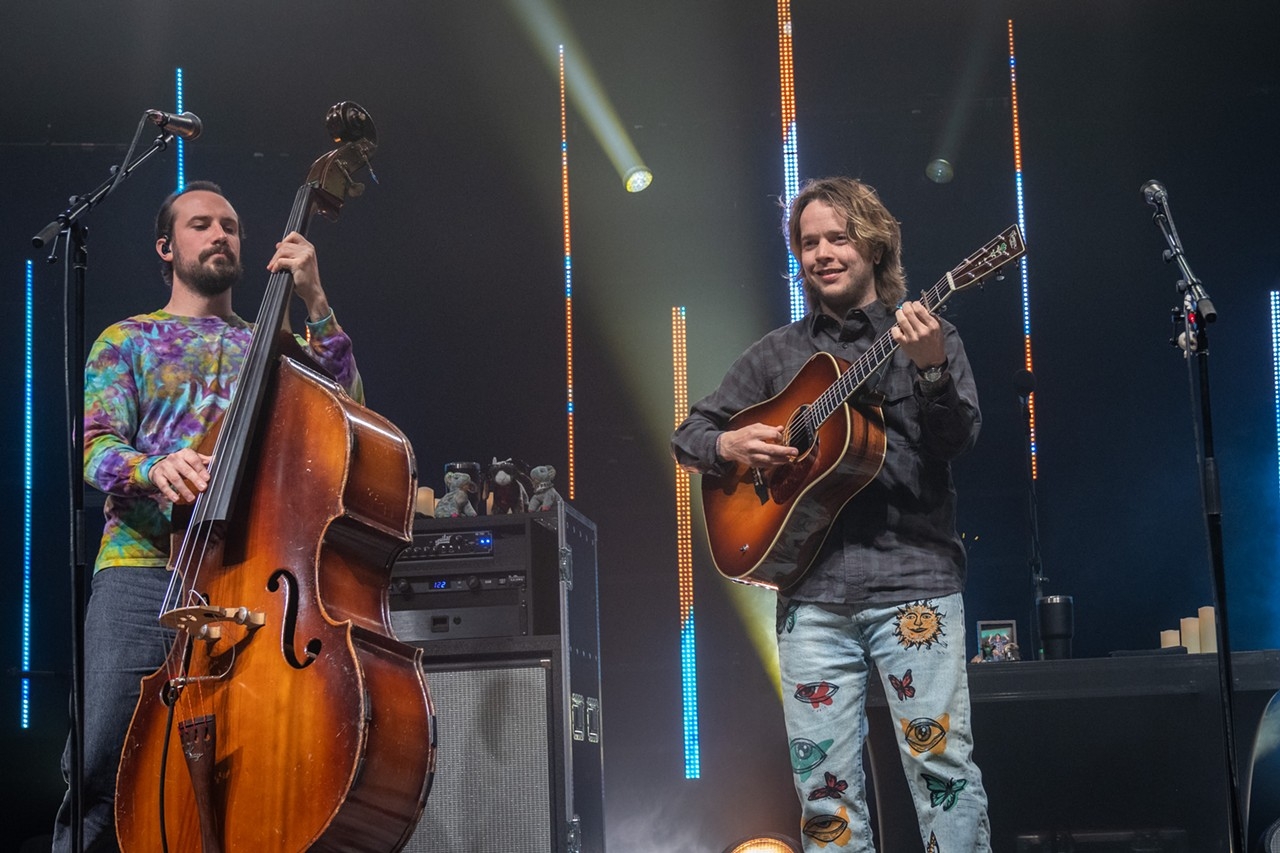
{"x":1100,"y":743}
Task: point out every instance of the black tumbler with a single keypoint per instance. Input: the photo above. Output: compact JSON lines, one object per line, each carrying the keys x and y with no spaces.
{"x":1057,"y":624}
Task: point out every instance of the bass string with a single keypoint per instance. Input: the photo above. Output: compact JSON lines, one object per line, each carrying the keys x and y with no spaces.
{"x":182,"y":588}
{"x":222,"y":480}
{"x":182,"y":593}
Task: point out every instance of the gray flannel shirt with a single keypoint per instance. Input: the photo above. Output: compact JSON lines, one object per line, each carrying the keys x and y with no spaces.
{"x":896,"y":540}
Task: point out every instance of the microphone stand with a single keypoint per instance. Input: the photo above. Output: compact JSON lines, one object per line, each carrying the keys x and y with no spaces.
{"x":1196,"y":312}
{"x":1025,"y":381}
{"x":76,"y":265}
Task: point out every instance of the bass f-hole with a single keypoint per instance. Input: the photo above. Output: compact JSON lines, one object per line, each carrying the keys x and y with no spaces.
{"x":281,"y":578}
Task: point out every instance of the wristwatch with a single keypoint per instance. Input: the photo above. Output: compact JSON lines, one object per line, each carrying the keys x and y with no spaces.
{"x":933,"y":375}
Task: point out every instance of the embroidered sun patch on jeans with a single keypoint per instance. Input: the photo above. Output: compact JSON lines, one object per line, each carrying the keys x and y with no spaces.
{"x":918,"y":625}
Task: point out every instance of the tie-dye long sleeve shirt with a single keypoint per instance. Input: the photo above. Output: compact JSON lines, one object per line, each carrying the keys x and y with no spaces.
{"x":154,"y":384}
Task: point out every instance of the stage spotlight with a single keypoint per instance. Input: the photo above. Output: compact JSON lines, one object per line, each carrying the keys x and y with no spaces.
{"x":764,"y":844}
{"x":550,"y":30}
{"x":637,"y":178}
{"x":939,"y":171}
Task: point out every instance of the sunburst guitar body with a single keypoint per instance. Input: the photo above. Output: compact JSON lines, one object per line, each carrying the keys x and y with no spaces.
{"x":766,"y":526}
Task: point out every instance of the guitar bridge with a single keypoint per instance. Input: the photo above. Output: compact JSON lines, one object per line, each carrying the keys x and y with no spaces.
{"x":761,"y":487}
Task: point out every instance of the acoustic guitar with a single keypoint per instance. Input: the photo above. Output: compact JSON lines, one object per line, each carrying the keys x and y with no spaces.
{"x":765,"y":527}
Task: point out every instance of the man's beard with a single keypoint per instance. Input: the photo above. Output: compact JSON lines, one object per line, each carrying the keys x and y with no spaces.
{"x":205,"y":280}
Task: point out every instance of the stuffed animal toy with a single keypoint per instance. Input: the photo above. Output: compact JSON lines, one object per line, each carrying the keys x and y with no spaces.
{"x":508,"y":484}
{"x":544,"y":491}
{"x":457,"y":499}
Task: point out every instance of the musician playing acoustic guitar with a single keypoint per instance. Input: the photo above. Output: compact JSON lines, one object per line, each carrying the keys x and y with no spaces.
{"x":154,"y":385}
{"x":885,"y":586}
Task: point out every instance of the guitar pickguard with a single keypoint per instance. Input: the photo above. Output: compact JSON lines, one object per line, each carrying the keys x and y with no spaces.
{"x":786,"y":481}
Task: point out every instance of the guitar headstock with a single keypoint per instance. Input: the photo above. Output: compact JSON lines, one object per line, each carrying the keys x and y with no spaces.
{"x":982,"y":264}
{"x":332,"y":175}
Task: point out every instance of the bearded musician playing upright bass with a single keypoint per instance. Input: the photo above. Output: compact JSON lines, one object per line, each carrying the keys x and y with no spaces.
{"x":154,"y":385}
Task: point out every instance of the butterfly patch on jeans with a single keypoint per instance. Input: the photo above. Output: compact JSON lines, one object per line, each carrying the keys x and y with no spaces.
{"x":902,"y":686}
{"x":786,"y":619}
{"x":943,"y":793}
{"x":832,"y":788}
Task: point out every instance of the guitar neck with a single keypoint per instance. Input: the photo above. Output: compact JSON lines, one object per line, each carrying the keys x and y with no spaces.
{"x":881,"y":351}
{"x":973,"y":270}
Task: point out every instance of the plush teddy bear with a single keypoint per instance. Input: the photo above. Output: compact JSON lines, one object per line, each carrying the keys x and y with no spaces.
{"x":508,"y":484}
{"x":457,"y":499}
{"x":544,"y":491}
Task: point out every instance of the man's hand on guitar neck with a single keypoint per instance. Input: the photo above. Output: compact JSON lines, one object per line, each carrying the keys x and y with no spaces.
{"x":756,"y":446}
{"x":919,"y":334}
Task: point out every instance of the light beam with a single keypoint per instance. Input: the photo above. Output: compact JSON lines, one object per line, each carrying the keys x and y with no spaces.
{"x":552,"y":33}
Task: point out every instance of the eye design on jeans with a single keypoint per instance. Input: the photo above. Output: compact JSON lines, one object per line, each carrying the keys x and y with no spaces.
{"x":816,"y":693}
{"x":826,"y":828}
{"x":926,"y":735}
{"x":806,"y":755}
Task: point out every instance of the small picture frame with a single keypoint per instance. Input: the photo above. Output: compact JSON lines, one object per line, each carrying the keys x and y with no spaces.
{"x":998,"y":641}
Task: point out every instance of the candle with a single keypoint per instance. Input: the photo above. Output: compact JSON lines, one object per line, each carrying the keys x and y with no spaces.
{"x":1191,"y":634}
{"x":1208,"y":630}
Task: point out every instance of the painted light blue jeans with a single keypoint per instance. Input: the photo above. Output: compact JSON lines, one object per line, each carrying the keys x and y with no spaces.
{"x":826,"y":652}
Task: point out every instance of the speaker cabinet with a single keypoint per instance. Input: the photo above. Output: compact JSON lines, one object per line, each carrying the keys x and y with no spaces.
{"x":519,"y":762}
{"x":494,"y":781}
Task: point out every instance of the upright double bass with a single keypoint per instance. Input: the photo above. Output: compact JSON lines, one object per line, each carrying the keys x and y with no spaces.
{"x":286,"y":716}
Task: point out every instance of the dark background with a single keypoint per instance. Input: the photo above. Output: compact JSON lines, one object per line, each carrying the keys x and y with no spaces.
{"x":448,"y":274}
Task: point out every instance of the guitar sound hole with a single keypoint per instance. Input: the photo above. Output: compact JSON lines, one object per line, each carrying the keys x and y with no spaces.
{"x":800,"y":433}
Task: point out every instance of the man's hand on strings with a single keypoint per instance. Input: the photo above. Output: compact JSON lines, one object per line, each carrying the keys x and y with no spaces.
{"x":756,"y":446}
{"x":178,"y":473}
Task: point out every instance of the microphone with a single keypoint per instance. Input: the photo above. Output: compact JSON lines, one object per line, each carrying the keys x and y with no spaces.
{"x":1154,"y":193}
{"x":186,"y":125}
{"x":1158,"y":197}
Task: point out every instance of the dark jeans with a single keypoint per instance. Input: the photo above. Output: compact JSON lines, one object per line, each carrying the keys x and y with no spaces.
{"x":122,"y":643}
